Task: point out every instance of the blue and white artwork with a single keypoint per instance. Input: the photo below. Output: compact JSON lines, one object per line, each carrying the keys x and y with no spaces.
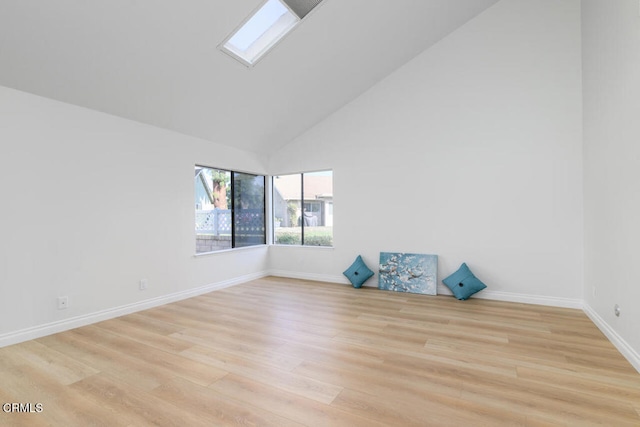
{"x":415,"y":273}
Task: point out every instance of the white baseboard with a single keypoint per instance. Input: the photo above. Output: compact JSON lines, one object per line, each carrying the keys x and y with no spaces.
{"x":309,"y":276}
{"x":627,"y":351}
{"x":521,"y":298}
{"x":87,"y":319}
{"x":443,"y":290}
{"x":531,"y":299}
{"x":63,"y":325}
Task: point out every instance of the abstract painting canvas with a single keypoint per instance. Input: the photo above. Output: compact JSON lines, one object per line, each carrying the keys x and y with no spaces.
{"x":415,"y":273}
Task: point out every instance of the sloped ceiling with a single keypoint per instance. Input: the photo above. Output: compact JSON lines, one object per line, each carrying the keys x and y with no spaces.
{"x":157,"y":62}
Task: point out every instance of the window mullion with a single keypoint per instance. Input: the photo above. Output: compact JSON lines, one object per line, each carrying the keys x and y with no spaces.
{"x":302,"y":209}
{"x":233,"y":211}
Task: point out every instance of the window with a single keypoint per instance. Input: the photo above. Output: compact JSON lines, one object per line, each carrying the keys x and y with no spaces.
{"x":265,"y":27}
{"x":303,"y":209}
{"x":229,"y":208}
{"x":248,"y":210}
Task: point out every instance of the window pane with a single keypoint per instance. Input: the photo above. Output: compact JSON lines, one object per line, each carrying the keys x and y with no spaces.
{"x":248,"y":207}
{"x":287,"y":190}
{"x":303,"y":209}
{"x":317,"y":211}
{"x":213,"y":210}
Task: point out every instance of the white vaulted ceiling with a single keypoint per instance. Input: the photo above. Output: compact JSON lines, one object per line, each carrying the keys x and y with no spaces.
{"x":157,"y":62}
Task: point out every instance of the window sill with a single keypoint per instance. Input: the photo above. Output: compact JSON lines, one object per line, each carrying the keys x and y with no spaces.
{"x":226,"y":251}
{"x":303,"y":246}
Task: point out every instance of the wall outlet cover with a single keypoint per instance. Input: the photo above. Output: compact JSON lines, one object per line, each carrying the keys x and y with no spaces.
{"x":63,"y":302}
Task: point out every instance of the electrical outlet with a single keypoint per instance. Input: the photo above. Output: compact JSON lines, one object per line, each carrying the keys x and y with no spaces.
{"x":63,"y":302}
{"x":617,"y":310}
{"x":144,"y":284}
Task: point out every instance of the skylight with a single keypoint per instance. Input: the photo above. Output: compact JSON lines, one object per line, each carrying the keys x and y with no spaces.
{"x":265,"y":27}
{"x":261,"y":31}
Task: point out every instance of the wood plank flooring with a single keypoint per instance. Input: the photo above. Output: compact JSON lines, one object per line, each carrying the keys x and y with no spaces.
{"x":283,"y":352}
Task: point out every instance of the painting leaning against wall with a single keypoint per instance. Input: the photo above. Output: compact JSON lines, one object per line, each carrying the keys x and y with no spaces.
{"x":402,"y":272}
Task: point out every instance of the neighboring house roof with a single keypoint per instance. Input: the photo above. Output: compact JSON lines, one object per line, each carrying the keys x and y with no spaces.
{"x":315,"y":187}
{"x":204,"y":185}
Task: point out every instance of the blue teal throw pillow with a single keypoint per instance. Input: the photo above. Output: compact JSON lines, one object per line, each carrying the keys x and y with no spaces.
{"x":463,"y":283}
{"x":358,"y":273}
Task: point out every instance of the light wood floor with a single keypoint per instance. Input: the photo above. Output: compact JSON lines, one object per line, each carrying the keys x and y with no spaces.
{"x":286,"y":352}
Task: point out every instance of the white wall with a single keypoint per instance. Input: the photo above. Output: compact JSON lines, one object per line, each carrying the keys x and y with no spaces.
{"x":471,"y":151}
{"x":611,"y":64}
{"x":90,"y":205}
